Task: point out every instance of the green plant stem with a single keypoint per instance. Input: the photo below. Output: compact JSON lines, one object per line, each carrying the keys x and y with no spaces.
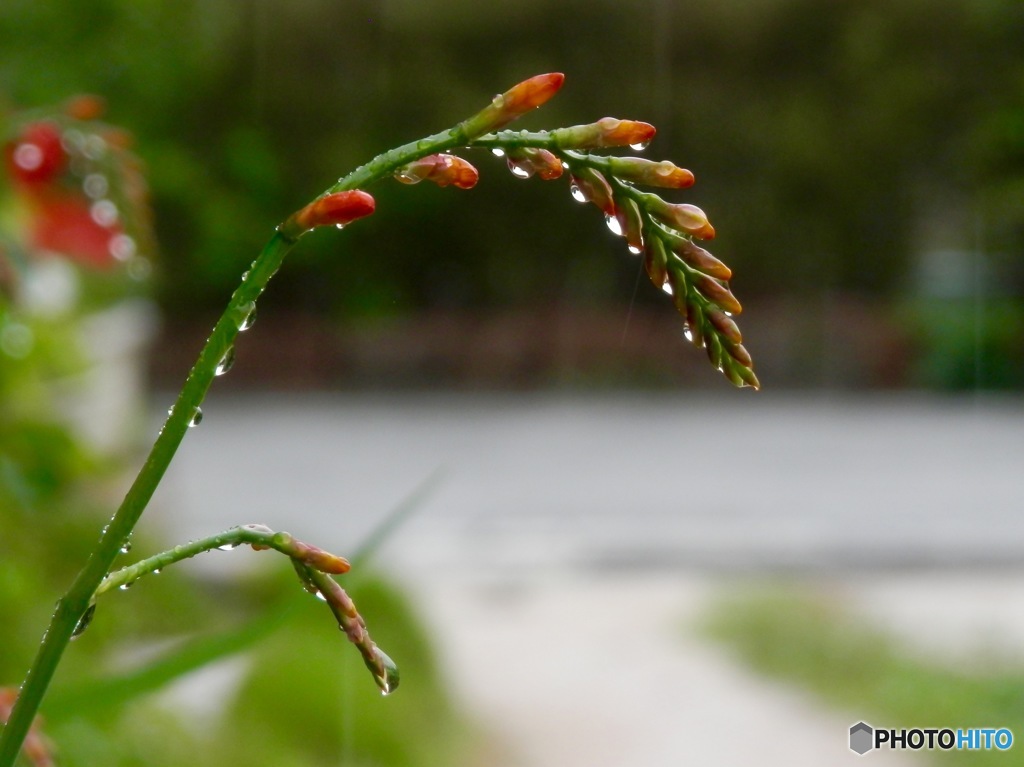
{"x":228,"y":539}
{"x":72,"y":606}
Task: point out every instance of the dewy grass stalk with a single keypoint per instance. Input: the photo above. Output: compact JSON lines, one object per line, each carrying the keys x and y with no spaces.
{"x":662,"y":232}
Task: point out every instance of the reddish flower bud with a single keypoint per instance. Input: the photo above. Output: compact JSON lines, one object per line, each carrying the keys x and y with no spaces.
{"x":724,"y":324}
{"x":631,"y":225}
{"x":662,"y":174}
{"x":717,"y":293}
{"x":37,"y":156}
{"x":656,"y":261}
{"x":682,"y":216}
{"x":442,"y":169}
{"x":338,"y":208}
{"x":700,"y":259}
{"x":590,"y":186}
{"x":85,"y":106}
{"x":625,"y":132}
{"x":740,"y":354}
{"x":526,"y":161}
{"x":606,"y":132}
{"x":513,"y":103}
{"x":322,"y":560}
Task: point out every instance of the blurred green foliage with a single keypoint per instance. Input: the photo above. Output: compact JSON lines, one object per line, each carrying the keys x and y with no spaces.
{"x":824,"y":137}
{"x":807,"y":639}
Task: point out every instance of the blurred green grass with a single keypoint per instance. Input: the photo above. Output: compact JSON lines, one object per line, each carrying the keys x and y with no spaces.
{"x":806,"y":639}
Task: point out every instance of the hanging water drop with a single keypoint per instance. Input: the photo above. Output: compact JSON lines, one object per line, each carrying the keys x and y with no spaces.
{"x":577,"y":193}
{"x":226,"y":362}
{"x":157,"y":571}
{"x":339,"y":226}
{"x":667,"y":287}
{"x":197,"y":417}
{"x":126,"y":547}
{"x":613,"y":225}
{"x":125,"y":586}
{"x":636,"y":251}
{"x":387,"y":683}
{"x":84,"y":621}
{"x":498,"y":151}
{"x":639,"y":146}
{"x":687,"y":333}
{"x":519,"y":171}
{"x":227,"y":546}
{"x":320,"y":595}
{"x":249,"y":317}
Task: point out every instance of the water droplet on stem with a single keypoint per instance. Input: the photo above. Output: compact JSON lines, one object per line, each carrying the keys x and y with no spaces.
{"x":249,"y":316}
{"x":519,"y":171}
{"x":84,"y":621}
{"x":226,"y":362}
{"x":197,"y":417}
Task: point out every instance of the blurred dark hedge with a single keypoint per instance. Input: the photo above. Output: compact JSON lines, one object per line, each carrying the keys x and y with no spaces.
{"x":835,"y":145}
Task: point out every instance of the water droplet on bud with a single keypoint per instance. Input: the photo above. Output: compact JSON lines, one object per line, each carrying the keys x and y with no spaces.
{"x":639,"y":146}
{"x":126,"y":586}
{"x":387,"y":683}
{"x":339,"y":226}
{"x":613,"y":225}
{"x":498,"y":151}
{"x":635,"y":250}
{"x":577,"y":193}
{"x":687,"y":333}
{"x":667,"y":287}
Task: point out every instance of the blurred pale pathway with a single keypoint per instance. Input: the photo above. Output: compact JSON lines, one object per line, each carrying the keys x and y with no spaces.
{"x":571,"y":539}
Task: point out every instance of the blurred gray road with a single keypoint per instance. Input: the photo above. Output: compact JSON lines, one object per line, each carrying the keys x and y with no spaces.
{"x":741,"y":481}
{"x":573,"y":543}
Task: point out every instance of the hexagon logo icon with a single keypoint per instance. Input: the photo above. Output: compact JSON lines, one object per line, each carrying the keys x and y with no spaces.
{"x":861,"y":738}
